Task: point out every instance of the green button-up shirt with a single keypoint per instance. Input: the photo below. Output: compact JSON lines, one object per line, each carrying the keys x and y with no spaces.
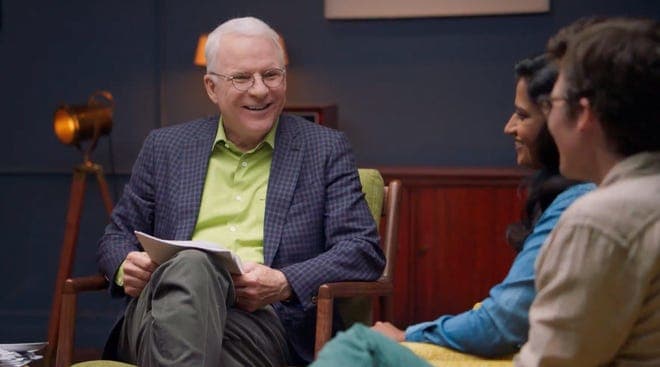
{"x":234,"y":197}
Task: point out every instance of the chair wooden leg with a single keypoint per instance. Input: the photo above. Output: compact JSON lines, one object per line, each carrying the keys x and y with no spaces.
{"x":65,"y":341}
{"x":67,"y":255}
{"x":323,"y":323}
{"x":386,"y":308}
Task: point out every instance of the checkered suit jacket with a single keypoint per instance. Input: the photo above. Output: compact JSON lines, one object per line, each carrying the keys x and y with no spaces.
{"x":317,"y":226}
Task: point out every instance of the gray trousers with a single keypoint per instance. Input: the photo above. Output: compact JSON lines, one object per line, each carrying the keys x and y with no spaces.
{"x":185,"y":317}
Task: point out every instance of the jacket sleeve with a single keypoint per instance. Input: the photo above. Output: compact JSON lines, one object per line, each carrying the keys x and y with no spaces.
{"x":134,"y":211}
{"x":352,"y":248}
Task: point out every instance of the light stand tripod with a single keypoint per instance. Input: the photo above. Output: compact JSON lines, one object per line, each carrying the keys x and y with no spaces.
{"x":68,"y":251}
{"x":72,"y":125}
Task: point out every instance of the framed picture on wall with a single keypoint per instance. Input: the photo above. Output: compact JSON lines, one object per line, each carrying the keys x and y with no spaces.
{"x":325,"y":115}
{"x":369,"y":9}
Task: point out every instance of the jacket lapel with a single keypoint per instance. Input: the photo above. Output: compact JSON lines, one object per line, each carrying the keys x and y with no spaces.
{"x":191,"y":169}
{"x":284,"y":172}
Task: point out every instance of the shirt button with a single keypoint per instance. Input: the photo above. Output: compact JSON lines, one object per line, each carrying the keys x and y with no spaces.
{"x":244,"y":164}
{"x":314,"y":299}
{"x":232,"y":229}
{"x":238,"y":198}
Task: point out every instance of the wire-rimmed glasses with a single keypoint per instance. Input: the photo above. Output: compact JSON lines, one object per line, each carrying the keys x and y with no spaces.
{"x":545,"y":104}
{"x":272,"y":78}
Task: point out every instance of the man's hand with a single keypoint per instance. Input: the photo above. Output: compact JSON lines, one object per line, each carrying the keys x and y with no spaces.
{"x":389,"y":331}
{"x":137,"y":272}
{"x":259,"y":286}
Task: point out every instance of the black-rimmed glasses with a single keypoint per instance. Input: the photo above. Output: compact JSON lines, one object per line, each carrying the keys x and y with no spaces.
{"x":272,"y":78}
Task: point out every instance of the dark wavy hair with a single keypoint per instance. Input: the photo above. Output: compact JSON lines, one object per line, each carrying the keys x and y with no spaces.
{"x":540,"y":73}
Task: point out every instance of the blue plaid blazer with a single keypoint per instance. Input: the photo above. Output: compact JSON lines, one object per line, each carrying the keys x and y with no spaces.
{"x":317,"y":226}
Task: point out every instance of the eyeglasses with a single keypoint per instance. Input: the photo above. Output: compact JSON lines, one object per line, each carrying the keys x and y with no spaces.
{"x":272,"y":78}
{"x":547,"y":103}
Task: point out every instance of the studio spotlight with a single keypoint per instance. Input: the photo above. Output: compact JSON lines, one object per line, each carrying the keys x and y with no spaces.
{"x":78,"y":123}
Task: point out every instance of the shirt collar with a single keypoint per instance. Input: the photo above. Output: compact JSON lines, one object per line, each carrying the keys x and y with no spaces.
{"x":640,"y":164}
{"x":220,"y":136}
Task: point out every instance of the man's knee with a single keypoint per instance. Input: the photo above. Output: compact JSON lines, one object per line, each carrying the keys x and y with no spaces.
{"x":192,"y":257}
{"x":193,"y":265}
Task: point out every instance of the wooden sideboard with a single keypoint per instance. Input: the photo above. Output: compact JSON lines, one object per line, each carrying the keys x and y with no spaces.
{"x":452,"y":246}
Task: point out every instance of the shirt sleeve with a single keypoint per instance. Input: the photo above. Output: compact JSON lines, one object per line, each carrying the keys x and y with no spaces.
{"x":501,"y":324}
{"x":119,"y":277}
{"x":584,"y":278}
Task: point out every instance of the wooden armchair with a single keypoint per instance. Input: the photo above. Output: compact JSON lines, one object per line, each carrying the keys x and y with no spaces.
{"x":382,"y":288}
{"x":67,"y":326}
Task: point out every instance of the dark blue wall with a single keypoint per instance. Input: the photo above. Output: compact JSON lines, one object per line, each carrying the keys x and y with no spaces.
{"x":410,"y":92}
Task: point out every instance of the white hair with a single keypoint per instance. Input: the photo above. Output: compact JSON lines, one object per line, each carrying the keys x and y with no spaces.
{"x":247,"y":26}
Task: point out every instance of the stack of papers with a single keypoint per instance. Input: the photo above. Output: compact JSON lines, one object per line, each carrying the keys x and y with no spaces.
{"x":19,"y":354}
{"x":161,"y":250}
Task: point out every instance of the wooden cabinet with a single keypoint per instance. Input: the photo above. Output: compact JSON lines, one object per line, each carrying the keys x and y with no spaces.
{"x":452,"y":246}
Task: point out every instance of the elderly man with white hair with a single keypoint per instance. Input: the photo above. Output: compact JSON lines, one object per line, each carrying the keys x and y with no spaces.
{"x":281,"y":192}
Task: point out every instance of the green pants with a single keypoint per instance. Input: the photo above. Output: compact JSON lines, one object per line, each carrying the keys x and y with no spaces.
{"x":360,"y":346}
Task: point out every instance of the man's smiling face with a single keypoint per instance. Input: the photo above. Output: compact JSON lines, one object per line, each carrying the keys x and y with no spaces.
{"x":247,"y":115}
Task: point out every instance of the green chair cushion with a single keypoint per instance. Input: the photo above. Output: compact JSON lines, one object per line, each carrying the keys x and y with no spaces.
{"x":373,"y":189}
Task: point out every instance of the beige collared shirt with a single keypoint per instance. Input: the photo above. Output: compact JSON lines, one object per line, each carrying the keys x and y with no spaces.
{"x":598,"y":277}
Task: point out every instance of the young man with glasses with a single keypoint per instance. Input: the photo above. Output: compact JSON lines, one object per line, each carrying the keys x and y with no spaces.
{"x":598,"y":277}
{"x":281,"y":192}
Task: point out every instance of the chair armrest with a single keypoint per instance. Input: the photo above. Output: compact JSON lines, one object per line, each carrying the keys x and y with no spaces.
{"x":351,"y":289}
{"x":73,"y":286}
{"x":85,"y":284}
{"x":329,"y":291}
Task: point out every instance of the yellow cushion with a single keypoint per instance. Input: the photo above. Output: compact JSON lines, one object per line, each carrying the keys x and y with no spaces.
{"x":441,"y":356}
{"x":101,"y":363}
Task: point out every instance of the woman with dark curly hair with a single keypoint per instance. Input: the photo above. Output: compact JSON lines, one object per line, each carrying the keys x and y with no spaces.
{"x":500,"y":325}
